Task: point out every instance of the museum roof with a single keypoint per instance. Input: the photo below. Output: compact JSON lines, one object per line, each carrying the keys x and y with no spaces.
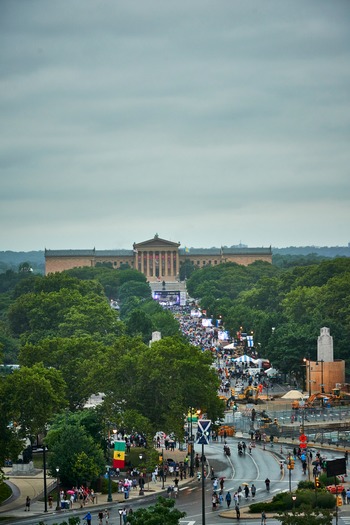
{"x":88,"y":253}
{"x":182,"y":251}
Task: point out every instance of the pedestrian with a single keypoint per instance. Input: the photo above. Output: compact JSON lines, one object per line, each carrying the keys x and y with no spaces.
{"x":27,"y":507}
{"x":88,"y":518}
{"x":343,"y":495}
{"x":50,"y":501}
{"x":246,"y":491}
{"x":214,"y":501}
{"x":263,"y":518}
{"x":221,"y":498}
{"x":348,"y":495}
{"x":238,"y":512}
{"x":100,"y":517}
{"x":346,"y":456}
{"x":228,"y":499}
{"x":106,"y":516}
{"x":253,"y":490}
{"x":267,"y":483}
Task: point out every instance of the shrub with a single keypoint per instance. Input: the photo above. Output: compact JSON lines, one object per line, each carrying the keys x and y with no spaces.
{"x":104,"y":486}
{"x":304,"y":498}
{"x":306,"y":485}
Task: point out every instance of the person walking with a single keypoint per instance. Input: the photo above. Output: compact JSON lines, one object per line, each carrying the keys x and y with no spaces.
{"x":246,"y":491}
{"x":27,"y":507}
{"x":263,"y":518}
{"x":228,"y":499}
{"x":88,"y":518}
{"x":238,"y":512}
{"x":253,"y":490}
{"x":267,"y":483}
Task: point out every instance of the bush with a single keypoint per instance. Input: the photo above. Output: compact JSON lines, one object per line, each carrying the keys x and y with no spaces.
{"x":5,"y":492}
{"x":321,"y":499}
{"x":104,"y":486}
{"x":309,"y":485}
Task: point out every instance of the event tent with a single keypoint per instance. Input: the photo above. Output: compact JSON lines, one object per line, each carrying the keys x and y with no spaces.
{"x":244,"y":359}
{"x":231,"y":346}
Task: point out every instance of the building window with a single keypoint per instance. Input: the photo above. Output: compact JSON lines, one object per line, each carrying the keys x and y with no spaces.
{"x":209,"y":262}
{"x":203,"y":263}
{"x":215,"y":262}
{"x":198,"y":263}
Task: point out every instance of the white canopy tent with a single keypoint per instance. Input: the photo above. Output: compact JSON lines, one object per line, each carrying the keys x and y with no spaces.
{"x":231,"y":346}
{"x":244,"y":359}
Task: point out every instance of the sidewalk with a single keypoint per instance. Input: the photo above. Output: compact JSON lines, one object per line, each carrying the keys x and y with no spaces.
{"x":33,"y":486}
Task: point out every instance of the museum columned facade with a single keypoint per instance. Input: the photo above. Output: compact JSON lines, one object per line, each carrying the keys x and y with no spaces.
{"x":158,"y":259}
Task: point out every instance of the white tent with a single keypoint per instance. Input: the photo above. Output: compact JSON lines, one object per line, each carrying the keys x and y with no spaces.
{"x":293,"y":394}
{"x":243,"y":359}
{"x":271,"y":372}
{"x":231,"y":346}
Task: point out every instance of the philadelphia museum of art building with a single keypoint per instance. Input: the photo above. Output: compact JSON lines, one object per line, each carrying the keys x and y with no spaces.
{"x":157,"y":258}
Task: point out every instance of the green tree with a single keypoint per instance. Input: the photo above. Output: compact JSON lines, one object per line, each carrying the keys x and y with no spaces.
{"x":79,"y":458}
{"x":75,"y":358}
{"x":134,"y":289}
{"x":186,"y":270}
{"x":137,"y":376}
{"x":10,"y":442}
{"x":34,"y":395}
{"x":139,"y":323}
{"x":163,"y":512}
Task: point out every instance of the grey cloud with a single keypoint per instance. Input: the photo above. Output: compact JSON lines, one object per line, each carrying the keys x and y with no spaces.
{"x":223,"y":120}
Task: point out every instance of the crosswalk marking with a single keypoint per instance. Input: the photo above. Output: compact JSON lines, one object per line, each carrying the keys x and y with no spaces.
{"x":188,"y":522}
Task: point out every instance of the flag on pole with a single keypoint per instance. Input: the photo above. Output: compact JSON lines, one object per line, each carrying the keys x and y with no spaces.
{"x":119,"y":454}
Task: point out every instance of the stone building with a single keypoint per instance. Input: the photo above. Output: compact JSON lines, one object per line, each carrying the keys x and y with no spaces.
{"x":325,"y":373}
{"x":158,"y":259}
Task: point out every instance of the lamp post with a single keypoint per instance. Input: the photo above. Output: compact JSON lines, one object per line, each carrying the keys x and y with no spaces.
{"x":191,"y":441}
{"x":307,"y":360}
{"x":163,"y":469}
{"x":120,"y":511}
{"x":141,"y":493}
{"x":294,"y":498}
{"x":109,"y":498}
{"x":45,"y":485}
{"x":58,"y":489}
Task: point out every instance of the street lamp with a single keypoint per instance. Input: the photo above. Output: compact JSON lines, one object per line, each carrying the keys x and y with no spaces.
{"x":45,"y":485}
{"x":191,"y":440}
{"x":294,"y":498}
{"x":120,"y":515}
{"x":307,"y":360}
{"x":58,"y":489}
{"x":141,"y":487}
{"x":109,"y":498}
{"x":163,"y":469}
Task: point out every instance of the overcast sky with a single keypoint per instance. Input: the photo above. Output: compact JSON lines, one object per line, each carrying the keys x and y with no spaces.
{"x":208,"y":122}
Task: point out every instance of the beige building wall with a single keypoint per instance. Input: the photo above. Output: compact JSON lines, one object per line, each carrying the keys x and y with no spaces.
{"x":59,"y":264}
{"x":327,"y":373}
{"x":158,"y":259}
